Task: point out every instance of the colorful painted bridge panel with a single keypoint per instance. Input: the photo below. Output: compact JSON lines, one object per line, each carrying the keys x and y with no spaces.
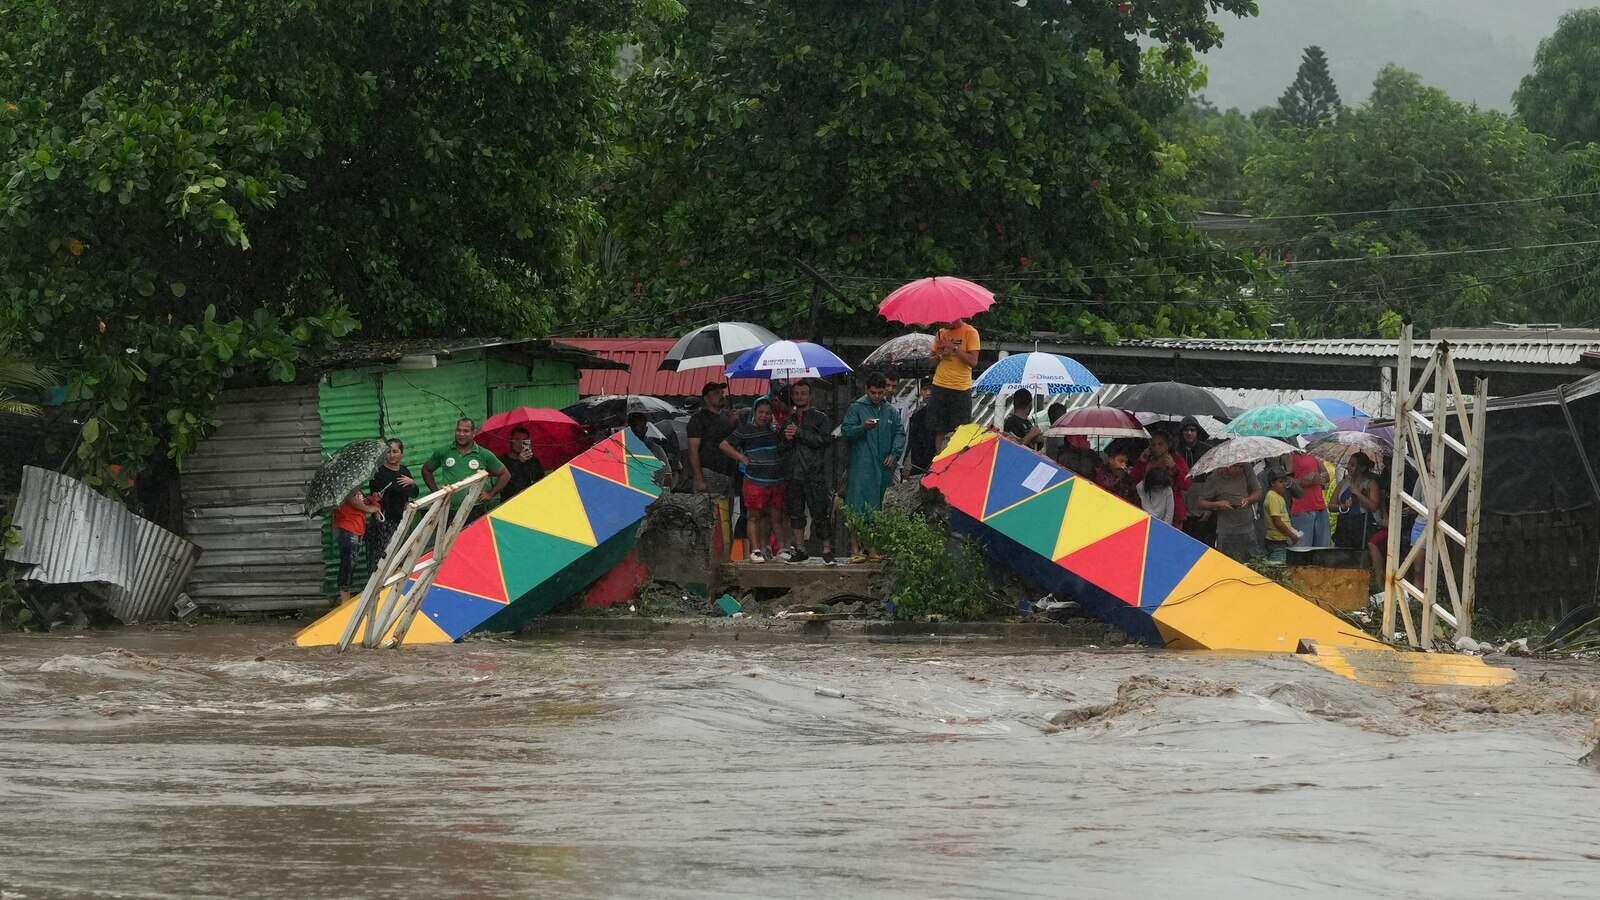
{"x":1150,"y":579}
{"x":532,"y":552}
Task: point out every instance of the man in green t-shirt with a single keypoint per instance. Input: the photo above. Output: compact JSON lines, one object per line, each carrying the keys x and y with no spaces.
{"x":461,"y":461}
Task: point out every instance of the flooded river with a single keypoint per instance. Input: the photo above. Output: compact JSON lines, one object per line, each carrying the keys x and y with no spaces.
{"x":220,"y":761}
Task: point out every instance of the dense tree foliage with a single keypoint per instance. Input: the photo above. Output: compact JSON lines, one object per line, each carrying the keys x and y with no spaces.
{"x":191,"y":191}
{"x":885,"y":141}
{"x":1408,"y":205}
{"x":1311,"y":100}
{"x":1218,"y":145}
{"x":1561,"y":97}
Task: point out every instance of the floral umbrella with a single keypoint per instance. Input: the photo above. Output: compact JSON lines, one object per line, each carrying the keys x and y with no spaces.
{"x":1278,"y":422}
{"x":345,"y":471}
{"x":1239,"y":450}
{"x":1339,"y":446}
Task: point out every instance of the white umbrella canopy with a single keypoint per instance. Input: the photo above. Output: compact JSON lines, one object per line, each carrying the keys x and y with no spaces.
{"x":1240,"y":450}
{"x":715,"y":345}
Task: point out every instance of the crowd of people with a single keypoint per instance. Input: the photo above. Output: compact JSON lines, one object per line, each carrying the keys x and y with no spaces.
{"x":781,"y":459}
{"x":1247,"y":511}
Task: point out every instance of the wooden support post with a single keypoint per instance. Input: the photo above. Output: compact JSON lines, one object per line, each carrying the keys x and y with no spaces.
{"x":1469,"y":566}
{"x":1392,"y":593}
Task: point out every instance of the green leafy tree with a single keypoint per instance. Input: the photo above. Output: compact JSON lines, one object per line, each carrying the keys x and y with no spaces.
{"x":886,"y":141}
{"x":1218,"y":145}
{"x":1312,"y":100}
{"x":17,"y":374}
{"x":1407,"y":204}
{"x":1561,"y":96}
{"x":196,"y":192}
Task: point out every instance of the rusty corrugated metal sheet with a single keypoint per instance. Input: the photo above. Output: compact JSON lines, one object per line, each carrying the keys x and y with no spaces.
{"x":243,"y":496}
{"x":643,"y":358}
{"x":72,"y":535}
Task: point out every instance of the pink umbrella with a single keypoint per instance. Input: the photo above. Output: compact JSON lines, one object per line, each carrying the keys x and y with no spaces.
{"x":1097,"y":421}
{"x":932,"y":300}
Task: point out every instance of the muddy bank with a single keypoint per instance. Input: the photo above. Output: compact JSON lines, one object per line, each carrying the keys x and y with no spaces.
{"x":219,"y":761}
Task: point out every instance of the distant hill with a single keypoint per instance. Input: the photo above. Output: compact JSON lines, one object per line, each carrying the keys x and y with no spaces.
{"x":1477,"y":50}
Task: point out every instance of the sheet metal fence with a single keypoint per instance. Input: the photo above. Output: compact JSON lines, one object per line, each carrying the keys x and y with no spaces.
{"x":72,"y":535}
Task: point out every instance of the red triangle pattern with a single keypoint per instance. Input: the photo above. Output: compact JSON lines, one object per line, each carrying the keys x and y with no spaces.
{"x":473,"y":564}
{"x":608,"y":459}
{"x":1114,"y":564}
{"x":963,"y":478}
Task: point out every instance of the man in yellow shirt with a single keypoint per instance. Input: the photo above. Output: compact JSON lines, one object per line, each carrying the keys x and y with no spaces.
{"x":1281,"y":535}
{"x":956,"y":350}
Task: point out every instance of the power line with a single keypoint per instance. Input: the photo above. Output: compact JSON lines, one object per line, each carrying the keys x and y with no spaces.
{"x":1402,"y":209}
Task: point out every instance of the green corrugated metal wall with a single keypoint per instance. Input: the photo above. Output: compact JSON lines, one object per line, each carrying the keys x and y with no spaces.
{"x":421,"y":407}
{"x":546,"y":383}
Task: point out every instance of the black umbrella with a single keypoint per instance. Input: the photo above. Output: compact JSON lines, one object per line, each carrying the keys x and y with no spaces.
{"x":345,"y":471}
{"x":715,"y":346}
{"x":1170,"y":398}
{"x":611,"y":411}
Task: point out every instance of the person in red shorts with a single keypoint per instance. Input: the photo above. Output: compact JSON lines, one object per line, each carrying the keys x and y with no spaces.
{"x":754,"y":446}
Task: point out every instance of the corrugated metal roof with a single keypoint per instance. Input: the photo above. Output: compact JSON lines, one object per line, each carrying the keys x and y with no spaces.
{"x":244,"y":502}
{"x":643,"y":358}
{"x":72,"y":535}
{"x":1532,"y":351}
{"x":378,"y":351}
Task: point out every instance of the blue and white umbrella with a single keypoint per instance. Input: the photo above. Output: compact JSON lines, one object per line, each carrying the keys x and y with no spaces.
{"x":1045,"y":373}
{"x":1334,"y":409}
{"x":787,"y":359}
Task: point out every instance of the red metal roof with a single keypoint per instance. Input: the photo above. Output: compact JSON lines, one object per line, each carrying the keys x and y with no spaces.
{"x":643,"y":356}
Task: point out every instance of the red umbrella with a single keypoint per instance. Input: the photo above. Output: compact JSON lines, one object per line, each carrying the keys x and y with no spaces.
{"x":1097,"y":421}
{"x":556,"y":436}
{"x":932,"y":300}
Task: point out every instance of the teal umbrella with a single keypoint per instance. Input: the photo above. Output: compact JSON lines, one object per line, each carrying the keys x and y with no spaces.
{"x":1278,"y":422}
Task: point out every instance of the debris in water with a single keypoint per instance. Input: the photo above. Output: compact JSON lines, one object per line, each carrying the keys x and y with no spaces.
{"x":830,"y":692}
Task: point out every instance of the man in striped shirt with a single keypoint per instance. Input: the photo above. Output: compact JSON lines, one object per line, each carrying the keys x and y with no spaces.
{"x":754,"y":445}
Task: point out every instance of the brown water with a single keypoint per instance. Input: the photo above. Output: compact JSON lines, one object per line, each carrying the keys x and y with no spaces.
{"x":175,"y":763}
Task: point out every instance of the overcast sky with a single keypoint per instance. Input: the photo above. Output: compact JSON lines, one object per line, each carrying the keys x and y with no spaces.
{"x":1476,"y":50}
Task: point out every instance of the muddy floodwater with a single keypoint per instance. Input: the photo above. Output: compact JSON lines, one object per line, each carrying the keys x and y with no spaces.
{"x":220,"y":761}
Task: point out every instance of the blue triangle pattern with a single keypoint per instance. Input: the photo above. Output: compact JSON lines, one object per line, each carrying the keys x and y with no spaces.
{"x":1012,"y":466}
{"x":610,"y":506}
{"x":1169,"y":555}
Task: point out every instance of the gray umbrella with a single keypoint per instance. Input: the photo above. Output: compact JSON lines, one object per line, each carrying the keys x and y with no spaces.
{"x":345,"y":471}
{"x":1171,"y":398}
{"x":906,"y":352}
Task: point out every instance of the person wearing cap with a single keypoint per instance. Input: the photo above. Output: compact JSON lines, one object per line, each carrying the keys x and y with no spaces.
{"x":708,"y":427}
{"x":1281,"y":533}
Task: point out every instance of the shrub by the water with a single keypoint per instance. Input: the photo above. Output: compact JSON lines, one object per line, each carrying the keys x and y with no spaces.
{"x":929,"y":574}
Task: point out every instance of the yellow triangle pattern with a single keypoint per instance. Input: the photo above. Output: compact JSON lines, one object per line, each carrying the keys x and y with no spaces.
{"x":969,"y":435}
{"x":325,"y":632}
{"x":551,"y":506}
{"x":1093,"y":514}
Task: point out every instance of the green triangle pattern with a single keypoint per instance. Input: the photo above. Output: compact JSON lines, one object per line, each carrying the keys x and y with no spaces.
{"x":1035,"y":523}
{"x":529,"y":558}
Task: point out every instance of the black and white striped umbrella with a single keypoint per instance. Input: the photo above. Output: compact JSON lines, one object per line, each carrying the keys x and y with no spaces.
{"x":715,"y":345}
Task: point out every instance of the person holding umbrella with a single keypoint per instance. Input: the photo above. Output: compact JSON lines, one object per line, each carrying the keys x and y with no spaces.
{"x":521,"y":462}
{"x":955,"y":348}
{"x":804,"y":449}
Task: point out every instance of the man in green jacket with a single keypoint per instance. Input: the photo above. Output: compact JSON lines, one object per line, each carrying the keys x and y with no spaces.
{"x":877,"y":438}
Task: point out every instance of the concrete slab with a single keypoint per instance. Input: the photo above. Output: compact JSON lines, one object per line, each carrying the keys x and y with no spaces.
{"x":844,"y":578}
